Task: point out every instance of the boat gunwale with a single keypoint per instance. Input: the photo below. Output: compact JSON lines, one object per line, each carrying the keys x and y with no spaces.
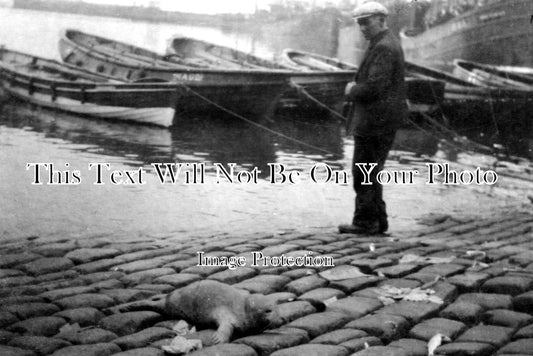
{"x":124,"y":114}
{"x":162,"y":86}
{"x":115,"y":60}
{"x":8,"y":69}
{"x":285,"y":54}
{"x":459,"y":63}
{"x":506,"y":74}
{"x":433,"y":73}
{"x":171,"y":50}
{"x":274,"y":72}
{"x":110,"y":82}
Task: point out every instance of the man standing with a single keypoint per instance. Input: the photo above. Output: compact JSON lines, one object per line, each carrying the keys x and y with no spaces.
{"x":379,"y":107}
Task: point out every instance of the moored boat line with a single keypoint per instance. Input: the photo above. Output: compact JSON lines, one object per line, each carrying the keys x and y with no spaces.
{"x":62,"y":86}
{"x":115,"y":59}
{"x":209,"y":55}
{"x":205,"y":63}
{"x":205,"y":77}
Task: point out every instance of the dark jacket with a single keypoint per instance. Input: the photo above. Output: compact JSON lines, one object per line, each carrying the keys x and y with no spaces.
{"x":379,"y":95}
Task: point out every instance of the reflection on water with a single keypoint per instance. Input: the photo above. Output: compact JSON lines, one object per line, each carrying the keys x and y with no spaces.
{"x":146,"y":143}
{"x":297,"y":140}
{"x":209,"y":138}
{"x":29,"y":134}
{"x":506,"y":123}
{"x":416,"y":141}
{"x":206,"y":139}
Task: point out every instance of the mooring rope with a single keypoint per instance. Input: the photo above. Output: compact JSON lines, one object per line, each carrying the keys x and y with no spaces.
{"x":450,"y":132}
{"x":493,"y":115}
{"x":453,"y":133}
{"x":301,"y":90}
{"x":253,"y":123}
{"x":461,"y":141}
{"x":457,"y":141}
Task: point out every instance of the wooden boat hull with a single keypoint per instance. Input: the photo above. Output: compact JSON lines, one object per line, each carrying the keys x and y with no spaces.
{"x":526,"y":72}
{"x":198,"y":53}
{"x":250,"y":100}
{"x":245,"y":91}
{"x":154,"y":116}
{"x":54,"y":85}
{"x":490,"y":76}
{"x":323,"y":86}
{"x":497,"y":33}
{"x":306,"y":61}
{"x":420,"y":71}
{"x":307,"y":85}
{"x":422,"y":91}
{"x":142,"y":69}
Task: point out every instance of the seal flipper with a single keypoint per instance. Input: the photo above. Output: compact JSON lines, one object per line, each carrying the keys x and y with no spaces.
{"x":223,"y":333}
{"x":225,"y":321}
{"x":156,"y":303}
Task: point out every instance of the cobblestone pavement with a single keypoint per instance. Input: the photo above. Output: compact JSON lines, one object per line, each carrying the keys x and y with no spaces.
{"x":377,"y":297}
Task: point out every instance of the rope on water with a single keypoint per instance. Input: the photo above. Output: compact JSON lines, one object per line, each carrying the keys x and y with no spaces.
{"x":455,"y":136}
{"x":460,"y":141}
{"x":457,"y":142}
{"x":493,"y":115}
{"x":301,"y":90}
{"x":251,"y":122}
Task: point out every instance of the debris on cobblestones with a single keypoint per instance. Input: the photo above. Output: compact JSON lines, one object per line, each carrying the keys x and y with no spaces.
{"x":389,"y":295}
{"x":180,"y":346}
{"x":460,"y":286}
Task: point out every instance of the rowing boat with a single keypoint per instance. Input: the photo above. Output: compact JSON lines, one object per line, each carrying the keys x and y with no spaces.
{"x":485,"y":75}
{"x":56,"y":85}
{"x":243,"y":91}
{"x":423,"y":91}
{"x":210,"y":55}
{"x":421,"y":71}
{"x":261,"y":86}
{"x":131,"y":63}
{"x":300,"y":60}
{"x":310,"y":88}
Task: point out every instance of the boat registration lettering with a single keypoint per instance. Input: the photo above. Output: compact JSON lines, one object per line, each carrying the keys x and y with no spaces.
{"x":459,"y":25}
{"x":188,"y":77}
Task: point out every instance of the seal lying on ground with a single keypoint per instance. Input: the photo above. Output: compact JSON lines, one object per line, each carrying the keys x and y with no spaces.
{"x":210,"y":303}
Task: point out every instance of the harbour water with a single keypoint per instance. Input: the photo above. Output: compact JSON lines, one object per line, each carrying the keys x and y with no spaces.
{"x":138,"y":203}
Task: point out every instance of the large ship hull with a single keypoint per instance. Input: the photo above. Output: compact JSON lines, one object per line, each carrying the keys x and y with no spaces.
{"x":497,"y":33}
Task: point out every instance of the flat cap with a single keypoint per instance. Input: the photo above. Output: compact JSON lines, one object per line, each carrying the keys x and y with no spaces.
{"x":369,"y":8}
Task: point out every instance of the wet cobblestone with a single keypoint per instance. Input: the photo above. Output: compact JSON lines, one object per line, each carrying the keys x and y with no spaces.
{"x":481,"y":270}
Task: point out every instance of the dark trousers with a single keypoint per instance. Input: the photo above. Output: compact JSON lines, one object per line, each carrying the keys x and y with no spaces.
{"x":369,"y":205}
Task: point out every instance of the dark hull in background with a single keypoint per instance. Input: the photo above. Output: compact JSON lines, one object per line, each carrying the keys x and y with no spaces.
{"x":497,"y":33}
